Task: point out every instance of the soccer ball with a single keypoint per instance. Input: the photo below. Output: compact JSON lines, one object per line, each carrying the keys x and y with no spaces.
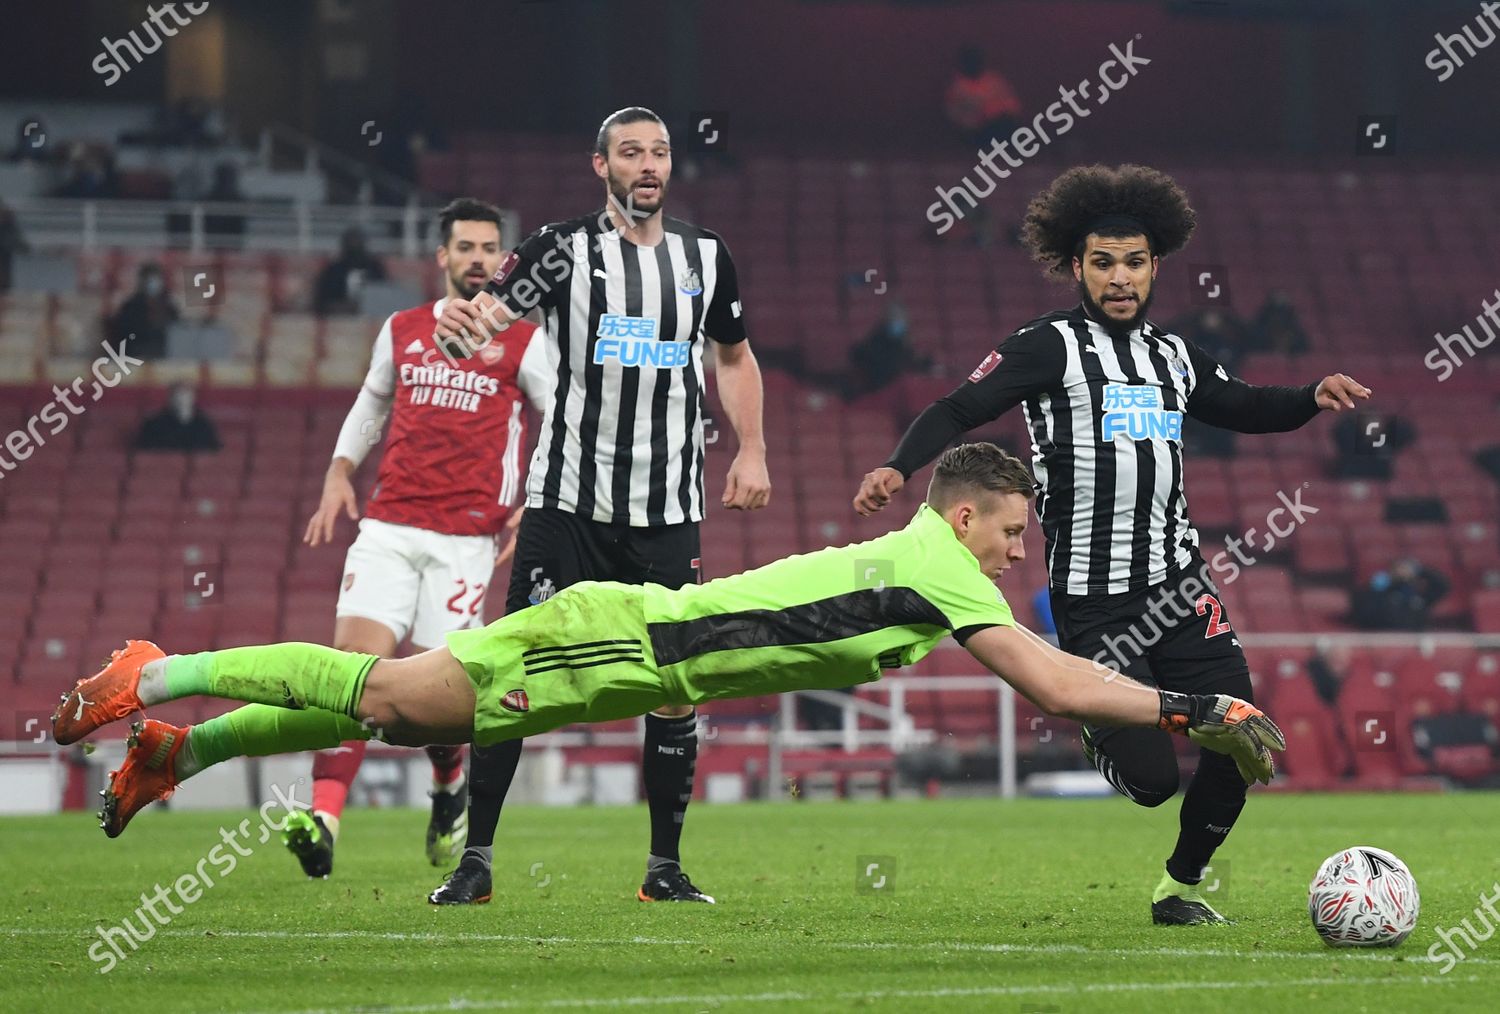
{"x":1363,"y":897}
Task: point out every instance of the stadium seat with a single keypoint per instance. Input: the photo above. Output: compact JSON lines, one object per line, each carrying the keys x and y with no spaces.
{"x":1486,"y":607}
{"x":1481,"y":687}
{"x":1316,"y":756}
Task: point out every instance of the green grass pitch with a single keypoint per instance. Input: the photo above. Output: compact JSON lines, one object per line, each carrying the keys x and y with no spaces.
{"x":987,"y":905}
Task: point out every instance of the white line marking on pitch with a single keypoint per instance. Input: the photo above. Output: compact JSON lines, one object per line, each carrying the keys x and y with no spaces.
{"x":463,"y":1003}
{"x":1343,"y":954}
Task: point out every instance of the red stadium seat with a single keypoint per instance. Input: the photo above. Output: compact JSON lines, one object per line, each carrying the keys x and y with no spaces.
{"x":1486,"y":608}
{"x":1481,"y":688}
{"x":1369,"y":717}
{"x":1316,"y":756}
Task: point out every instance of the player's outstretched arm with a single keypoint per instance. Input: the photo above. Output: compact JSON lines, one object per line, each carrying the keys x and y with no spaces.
{"x":1026,"y":363}
{"x":1223,"y":400}
{"x":1071,"y":687}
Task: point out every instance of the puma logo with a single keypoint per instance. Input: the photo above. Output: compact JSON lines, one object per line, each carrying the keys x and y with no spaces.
{"x":78,"y":716}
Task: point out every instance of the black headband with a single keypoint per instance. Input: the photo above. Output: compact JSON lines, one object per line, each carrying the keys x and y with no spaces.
{"x":1121,"y":224}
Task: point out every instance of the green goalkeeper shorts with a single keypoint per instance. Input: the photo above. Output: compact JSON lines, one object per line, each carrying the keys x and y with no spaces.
{"x":581,"y":656}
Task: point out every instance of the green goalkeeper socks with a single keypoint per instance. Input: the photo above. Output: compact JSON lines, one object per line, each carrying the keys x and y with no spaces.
{"x":257,"y":730}
{"x":293,"y":675}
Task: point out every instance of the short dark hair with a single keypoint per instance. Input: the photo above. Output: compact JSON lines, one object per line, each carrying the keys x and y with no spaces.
{"x":465,"y":209}
{"x":620,"y":118}
{"x":969,"y":468}
{"x":1058,"y":220}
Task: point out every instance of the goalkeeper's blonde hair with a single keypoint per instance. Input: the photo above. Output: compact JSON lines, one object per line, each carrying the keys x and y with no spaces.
{"x":978,"y":467}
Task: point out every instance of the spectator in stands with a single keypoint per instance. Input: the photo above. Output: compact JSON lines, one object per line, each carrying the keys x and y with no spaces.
{"x":1400,"y":598}
{"x":979,"y":101}
{"x":12,"y":242}
{"x":181,"y":426}
{"x":192,"y":121}
{"x":90,"y":173}
{"x":340,"y":281}
{"x":1276,"y":328}
{"x":1326,"y":669}
{"x":882,"y":355}
{"x":141,"y":322}
{"x":189,"y":123}
{"x":1367,"y":443}
{"x":1219,"y":333}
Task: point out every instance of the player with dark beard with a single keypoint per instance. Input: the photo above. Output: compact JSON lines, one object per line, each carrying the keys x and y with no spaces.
{"x":1104,"y":391}
{"x":633,"y":301}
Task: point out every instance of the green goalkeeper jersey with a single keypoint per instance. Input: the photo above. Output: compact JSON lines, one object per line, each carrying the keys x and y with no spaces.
{"x":600,"y":650}
{"x":827,"y":619}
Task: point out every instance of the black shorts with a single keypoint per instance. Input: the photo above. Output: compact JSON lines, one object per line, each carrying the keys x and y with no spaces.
{"x":1176,"y":635}
{"x":557,"y":548}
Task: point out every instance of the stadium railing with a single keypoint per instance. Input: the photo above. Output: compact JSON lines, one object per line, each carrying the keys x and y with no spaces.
{"x":298,"y":226}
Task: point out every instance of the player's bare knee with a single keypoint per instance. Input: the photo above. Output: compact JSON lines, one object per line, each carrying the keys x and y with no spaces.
{"x":381,"y":718}
{"x":378,"y":709}
{"x":673,"y":711}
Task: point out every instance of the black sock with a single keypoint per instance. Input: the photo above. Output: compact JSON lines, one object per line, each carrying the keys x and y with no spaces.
{"x":1210,"y":807}
{"x":671,"y":752}
{"x":490,"y":770}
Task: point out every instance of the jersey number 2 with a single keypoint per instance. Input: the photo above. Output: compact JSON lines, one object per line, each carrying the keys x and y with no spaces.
{"x":1208,"y":604}
{"x":454,"y":606}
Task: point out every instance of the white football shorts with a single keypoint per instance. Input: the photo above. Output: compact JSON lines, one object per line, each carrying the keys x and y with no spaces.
{"x":417,"y":582}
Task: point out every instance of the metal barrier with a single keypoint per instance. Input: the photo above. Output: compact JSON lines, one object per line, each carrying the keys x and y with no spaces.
{"x":299,"y":226}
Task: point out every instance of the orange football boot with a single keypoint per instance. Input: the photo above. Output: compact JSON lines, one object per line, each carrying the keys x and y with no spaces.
{"x":107,"y":696}
{"x":149,"y":773}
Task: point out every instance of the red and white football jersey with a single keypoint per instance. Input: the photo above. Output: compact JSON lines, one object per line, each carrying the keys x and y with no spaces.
{"x":452,"y":461}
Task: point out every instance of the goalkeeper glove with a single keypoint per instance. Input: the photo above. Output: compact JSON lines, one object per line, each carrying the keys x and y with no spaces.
{"x":1225,"y":725}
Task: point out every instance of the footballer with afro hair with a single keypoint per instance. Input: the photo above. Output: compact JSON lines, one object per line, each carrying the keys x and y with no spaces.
{"x":1109,"y":228}
{"x":1106,"y":393}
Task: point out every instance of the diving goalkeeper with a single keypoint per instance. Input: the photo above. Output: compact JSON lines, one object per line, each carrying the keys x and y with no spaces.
{"x":600,"y":651}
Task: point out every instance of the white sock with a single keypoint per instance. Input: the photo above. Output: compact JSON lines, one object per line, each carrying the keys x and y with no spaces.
{"x":329,"y":821}
{"x":187,"y":762}
{"x":153,"y":684}
{"x":449,"y":787}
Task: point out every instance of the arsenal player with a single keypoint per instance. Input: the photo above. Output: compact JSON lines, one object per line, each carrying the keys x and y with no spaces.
{"x":427,"y":544}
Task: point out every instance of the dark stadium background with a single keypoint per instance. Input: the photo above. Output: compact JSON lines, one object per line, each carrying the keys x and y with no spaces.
{"x":830,"y":141}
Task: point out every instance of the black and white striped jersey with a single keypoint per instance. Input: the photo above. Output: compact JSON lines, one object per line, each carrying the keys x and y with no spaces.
{"x":621,"y":440}
{"x":1105,"y":416}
